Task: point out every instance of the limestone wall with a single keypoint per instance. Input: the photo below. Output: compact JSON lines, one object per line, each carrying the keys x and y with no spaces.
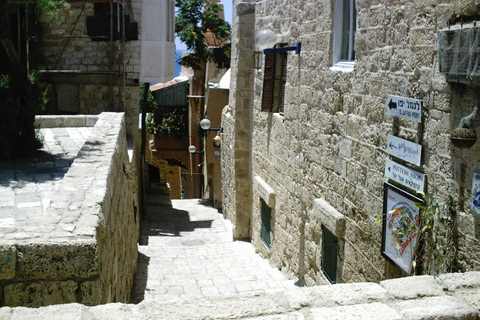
{"x":95,"y":76}
{"x":84,"y":248}
{"x":331,"y":142}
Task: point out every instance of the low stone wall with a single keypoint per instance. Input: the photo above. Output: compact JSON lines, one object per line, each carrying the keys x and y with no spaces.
{"x":84,"y":249}
{"x":450,"y":296}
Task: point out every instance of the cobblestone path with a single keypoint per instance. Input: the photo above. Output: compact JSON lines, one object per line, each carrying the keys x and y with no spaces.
{"x":187,"y":250}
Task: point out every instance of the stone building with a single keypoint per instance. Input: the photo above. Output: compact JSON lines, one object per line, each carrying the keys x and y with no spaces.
{"x":97,"y":53}
{"x":307,"y":147}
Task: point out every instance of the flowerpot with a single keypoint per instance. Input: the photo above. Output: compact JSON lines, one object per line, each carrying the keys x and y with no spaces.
{"x":463,"y":137}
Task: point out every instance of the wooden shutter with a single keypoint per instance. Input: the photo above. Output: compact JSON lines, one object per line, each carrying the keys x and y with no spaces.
{"x":268,"y":82}
{"x":329,"y":254}
{"x":283,"y":72}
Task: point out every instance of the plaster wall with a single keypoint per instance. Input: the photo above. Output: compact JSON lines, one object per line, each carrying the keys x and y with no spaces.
{"x":331,"y":141}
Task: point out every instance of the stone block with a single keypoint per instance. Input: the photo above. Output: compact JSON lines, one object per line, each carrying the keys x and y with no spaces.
{"x":91,"y":292}
{"x":329,"y":216}
{"x":456,"y":281}
{"x":372,"y":311}
{"x":345,"y":294}
{"x":444,"y":307}
{"x":413,"y":287}
{"x":23,"y":294}
{"x":6,"y":313}
{"x":57,"y":260}
{"x":8,"y":259}
{"x":116,"y":311}
{"x":72,"y":311}
{"x":57,"y":292}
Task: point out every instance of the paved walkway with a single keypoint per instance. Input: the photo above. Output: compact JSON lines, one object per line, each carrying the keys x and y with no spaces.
{"x":27,"y":185}
{"x":187,"y":250}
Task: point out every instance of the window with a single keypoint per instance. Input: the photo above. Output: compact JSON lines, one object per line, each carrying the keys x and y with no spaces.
{"x":266,"y":215}
{"x":330,"y":252}
{"x":275,"y":76}
{"x":345,"y":26}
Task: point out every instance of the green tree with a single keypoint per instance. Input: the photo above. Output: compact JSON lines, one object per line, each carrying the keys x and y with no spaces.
{"x":193,"y":20}
{"x":20,"y":95}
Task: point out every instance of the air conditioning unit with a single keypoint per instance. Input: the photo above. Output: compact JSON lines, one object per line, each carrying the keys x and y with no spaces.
{"x":459,"y":52}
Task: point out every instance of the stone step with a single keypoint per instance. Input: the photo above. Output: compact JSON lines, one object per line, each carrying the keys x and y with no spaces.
{"x":157,"y":188}
{"x":342,"y":302}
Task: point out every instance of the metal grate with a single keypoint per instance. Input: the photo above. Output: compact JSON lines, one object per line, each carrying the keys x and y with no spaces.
{"x":192,"y":185}
{"x":459,"y":51}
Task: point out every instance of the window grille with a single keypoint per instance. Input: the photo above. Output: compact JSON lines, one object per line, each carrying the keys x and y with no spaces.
{"x":459,"y":51}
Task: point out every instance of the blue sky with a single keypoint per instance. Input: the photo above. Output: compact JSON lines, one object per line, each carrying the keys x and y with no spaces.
{"x":227,"y":8}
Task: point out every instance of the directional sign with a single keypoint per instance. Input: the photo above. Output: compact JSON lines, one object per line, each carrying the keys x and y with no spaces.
{"x":405,"y":108}
{"x":404,"y":149}
{"x":404,"y":175}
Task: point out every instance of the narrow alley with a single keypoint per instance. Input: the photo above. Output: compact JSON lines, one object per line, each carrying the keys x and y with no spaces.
{"x":187,"y":250}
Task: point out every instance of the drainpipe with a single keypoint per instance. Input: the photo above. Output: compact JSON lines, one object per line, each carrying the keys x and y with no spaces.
{"x":146,"y":87}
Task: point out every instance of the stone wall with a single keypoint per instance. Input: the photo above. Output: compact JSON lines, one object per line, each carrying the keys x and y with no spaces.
{"x":450,"y":296}
{"x":95,"y":76}
{"x":85,"y":247}
{"x":331,"y":141}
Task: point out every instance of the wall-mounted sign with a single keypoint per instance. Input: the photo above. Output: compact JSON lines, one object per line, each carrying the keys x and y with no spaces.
{"x":404,"y":149}
{"x":400,"y":227}
{"x":475,"y":202}
{"x":404,"y":175}
{"x":405,"y":108}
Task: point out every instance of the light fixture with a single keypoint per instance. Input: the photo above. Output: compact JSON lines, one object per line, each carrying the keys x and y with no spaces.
{"x":205,"y":125}
{"x":266,"y":40}
{"x":217,"y":141}
{"x":193,"y":150}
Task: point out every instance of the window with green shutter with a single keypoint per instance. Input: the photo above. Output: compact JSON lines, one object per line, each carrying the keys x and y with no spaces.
{"x":329,"y":254}
{"x":266,"y":216}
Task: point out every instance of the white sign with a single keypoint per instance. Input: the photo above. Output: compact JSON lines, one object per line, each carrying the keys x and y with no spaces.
{"x":475,"y":205}
{"x":405,"y":108}
{"x":404,"y":175}
{"x":404,"y":149}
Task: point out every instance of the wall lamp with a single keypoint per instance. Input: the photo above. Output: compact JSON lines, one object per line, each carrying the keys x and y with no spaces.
{"x":266,"y":40}
{"x":193,"y":150}
{"x":205,"y":125}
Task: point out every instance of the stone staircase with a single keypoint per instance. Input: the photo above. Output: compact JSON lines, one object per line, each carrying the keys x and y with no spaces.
{"x":450,"y":296}
{"x":157,"y":194}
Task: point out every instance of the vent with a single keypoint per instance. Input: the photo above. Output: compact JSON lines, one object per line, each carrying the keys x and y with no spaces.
{"x":459,"y":52}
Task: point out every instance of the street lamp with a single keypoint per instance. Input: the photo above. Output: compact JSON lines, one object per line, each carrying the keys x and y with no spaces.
{"x":266,"y":40}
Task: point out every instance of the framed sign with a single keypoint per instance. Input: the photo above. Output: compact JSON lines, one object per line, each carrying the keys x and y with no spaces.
{"x":475,"y":202}
{"x":400,"y":227}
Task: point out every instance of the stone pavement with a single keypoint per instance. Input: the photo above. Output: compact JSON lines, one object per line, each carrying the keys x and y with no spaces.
{"x":186,"y":250}
{"x":27,"y":185}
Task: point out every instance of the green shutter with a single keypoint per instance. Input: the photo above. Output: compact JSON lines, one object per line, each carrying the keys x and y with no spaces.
{"x":266,"y":215}
{"x":329,"y":254}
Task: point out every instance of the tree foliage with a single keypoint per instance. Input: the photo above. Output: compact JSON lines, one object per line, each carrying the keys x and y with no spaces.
{"x":193,"y":20}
